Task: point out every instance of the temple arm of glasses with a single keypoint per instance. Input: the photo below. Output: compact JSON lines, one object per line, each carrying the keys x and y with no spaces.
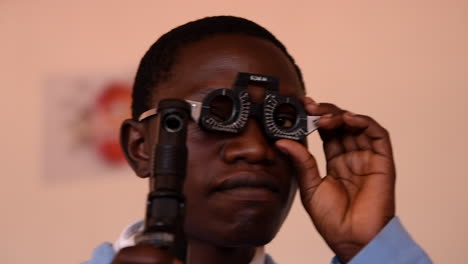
{"x":146,"y":114}
{"x":312,"y":123}
{"x":196,"y":110}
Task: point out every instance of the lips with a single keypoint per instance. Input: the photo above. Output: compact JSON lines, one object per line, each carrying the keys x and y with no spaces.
{"x":248,"y":181}
{"x":249,"y":185}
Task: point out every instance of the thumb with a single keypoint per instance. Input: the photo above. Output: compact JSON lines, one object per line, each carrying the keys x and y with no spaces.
{"x":308,"y":176}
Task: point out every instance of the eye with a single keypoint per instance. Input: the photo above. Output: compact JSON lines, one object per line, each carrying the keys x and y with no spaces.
{"x":285,"y":116}
{"x":221,"y":108}
{"x":285,"y":121}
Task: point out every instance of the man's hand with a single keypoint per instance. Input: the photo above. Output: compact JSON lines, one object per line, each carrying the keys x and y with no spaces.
{"x":355,"y":199}
{"x":144,"y":254}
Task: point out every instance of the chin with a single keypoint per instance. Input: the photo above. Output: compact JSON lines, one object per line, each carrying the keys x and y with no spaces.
{"x":242,"y":229}
{"x":232,"y":222}
{"x":249,"y":239}
{"x":242,"y":238}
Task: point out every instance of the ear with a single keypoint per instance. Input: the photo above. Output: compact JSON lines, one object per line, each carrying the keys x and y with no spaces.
{"x":133,"y":140}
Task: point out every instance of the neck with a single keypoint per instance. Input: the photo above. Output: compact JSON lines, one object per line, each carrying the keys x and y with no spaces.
{"x":203,"y":253}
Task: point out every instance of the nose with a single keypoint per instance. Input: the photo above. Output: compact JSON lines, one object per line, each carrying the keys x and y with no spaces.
{"x":251,"y":146}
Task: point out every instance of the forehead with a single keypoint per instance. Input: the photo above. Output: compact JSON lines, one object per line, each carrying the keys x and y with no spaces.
{"x":215,"y":61}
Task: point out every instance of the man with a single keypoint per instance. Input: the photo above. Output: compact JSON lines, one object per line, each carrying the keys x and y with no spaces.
{"x":240,"y":186}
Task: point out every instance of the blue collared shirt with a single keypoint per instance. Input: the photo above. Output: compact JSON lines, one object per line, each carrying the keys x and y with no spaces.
{"x":393,"y":245}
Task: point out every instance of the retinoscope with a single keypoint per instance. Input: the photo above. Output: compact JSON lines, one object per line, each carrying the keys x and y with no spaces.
{"x":165,"y":204}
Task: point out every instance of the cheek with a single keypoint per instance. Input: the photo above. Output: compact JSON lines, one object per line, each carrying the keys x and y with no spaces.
{"x":203,"y":159}
{"x":203,"y":164}
{"x":290,"y":199}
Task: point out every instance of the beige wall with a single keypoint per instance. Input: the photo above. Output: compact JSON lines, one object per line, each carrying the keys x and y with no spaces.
{"x":403,"y":62}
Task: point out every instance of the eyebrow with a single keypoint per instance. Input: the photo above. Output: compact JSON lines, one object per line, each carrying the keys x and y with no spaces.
{"x":202,"y":93}
{"x":205,"y":91}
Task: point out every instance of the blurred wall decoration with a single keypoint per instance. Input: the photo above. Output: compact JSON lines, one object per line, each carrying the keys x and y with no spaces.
{"x":82,"y":118}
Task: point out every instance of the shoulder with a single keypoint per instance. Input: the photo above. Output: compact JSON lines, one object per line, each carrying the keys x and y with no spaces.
{"x":269,"y":260}
{"x":102,"y":254}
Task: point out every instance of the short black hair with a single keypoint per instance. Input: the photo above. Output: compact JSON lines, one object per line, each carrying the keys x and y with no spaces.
{"x":155,"y":66}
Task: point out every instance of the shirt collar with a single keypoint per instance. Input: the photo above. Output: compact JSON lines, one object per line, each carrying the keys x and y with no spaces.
{"x":127,"y":239}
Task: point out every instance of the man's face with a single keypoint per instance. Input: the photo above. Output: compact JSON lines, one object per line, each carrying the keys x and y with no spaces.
{"x":239,"y":187}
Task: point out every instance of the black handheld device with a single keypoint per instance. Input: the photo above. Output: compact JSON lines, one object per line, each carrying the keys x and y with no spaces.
{"x":165,"y":205}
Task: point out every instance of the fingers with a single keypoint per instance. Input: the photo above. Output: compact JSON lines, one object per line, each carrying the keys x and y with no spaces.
{"x":144,"y":254}
{"x":313,"y":108}
{"x":339,"y":120}
{"x":308,"y":174}
{"x":343,"y":131}
{"x":332,"y":145}
{"x":372,"y":135}
{"x":330,"y":118}
{"x":350,"y":143}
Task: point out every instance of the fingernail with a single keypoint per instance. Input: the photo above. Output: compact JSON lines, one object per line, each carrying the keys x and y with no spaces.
{"x":326,"y":116}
